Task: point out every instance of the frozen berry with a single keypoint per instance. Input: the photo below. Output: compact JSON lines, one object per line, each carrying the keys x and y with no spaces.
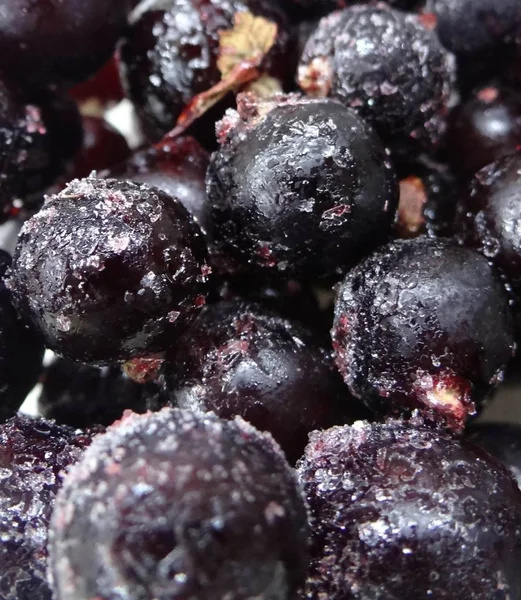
{"x":45,"y":42}
{"x":471,"y":28}
{"x":108,"y":270}
{"x":36,"y":141}
{"x":398,"y":510}
{"x":483,"y":128}
{"x":177,"y":167}
{"x":388,"y":66}
{"x":239,"y":359}
{"x":21,"y":353}
{"x":83,"y":396}
{"x":33,"y":456}
{"x":299,"y":8}
{"x":425,"y":324}
{"x":429,"y":194}
{"x":103,"y":147}
{"x":179,"y":505}
{"x":488,"y":220}
{"x":503,"y":441}
{"x":299,"y":186}
{"x":170,"y":54}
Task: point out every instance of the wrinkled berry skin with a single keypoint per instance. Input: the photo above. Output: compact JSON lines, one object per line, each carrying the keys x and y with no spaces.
{"x":488,"y":221}
{"x":388,"y":66}
{"x":47,"y":42}
{"x":424,"y":324}
{"x":399,"y":510}
{"x":36,"y":141}
{"x":503,"y":441}
{"x":108,"y":270}
{"x":83,"y":396}
{"x":239,"y":359}
{"x":484,"y":127}
{"x":169,"y":55}
{"x":178,"y":167}
{"x":299,"y":186}
{"x":179,"y":505}
{"x":33,"y":456}
{"x":471,"y":28}
{"x":21,"y":352}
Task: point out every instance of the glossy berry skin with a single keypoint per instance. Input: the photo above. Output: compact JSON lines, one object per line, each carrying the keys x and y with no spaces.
{"x":103,"y":146}
{"x":178,"y":167}
{"x":36,"y":141}
{"x":187,"y":506}
{"x":108,"y":270}
{"x":471,"y":28}
{"x":301,"y":187}
{"x":33,"y":456}
{"x":488,"y":221}
{"x":502,"y":441}
{"x":423,"y":324}
{"x":46,"y":42}
{"x":170,"y":52}
{"x":486,"y":126}
{"x":388,"y":66}
{"x":240,"y":359}
{"x":21,"y":352}
{"x":399,"y":510}
{"x":429,"y":196}
{"x":83,"y":396}
{"x":104,"y":87}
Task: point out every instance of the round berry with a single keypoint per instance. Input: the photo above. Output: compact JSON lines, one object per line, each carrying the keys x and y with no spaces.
{"x":21,"y":352}
{"x":424,"y":324}
{"x":178,"y":167}
{"x":46,"y":42}
{"x":299,"y":186}
{"x":179,"y":505}
{"x":470,"y":28}
{"x":488,"y":219}
{"x":33,"y":456}
{"x":399,"y":510}
{"x":388,"y":66}
{"x":240,"y":359}
{"x":109,"y":270}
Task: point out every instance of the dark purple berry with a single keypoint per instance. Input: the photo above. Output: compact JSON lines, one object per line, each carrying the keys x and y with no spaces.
{"x":33,"y":456}
{"x":483,"y":128}
{"x":301,"y":187}
{"x":103,"y":147}
{"x":503,"y":441}
{"x":170,"y":54}
{"x":425,"y":324}
{"x":108,"y":270}
{"x":46,"y":42}
{"x":401,"y":511}
{"x":103,"y":88}
{"x":179,"y":505}
{"x":474,"y":28}
{"x":178,"y":167}
{"x":388,"y":66}
{"x":21,"y":352}
{"x":429,"y":195}
{"x":36,"y":141}
{"x":239,"y":359}
{"x":488,"y":221}
{"x":83,"y":396}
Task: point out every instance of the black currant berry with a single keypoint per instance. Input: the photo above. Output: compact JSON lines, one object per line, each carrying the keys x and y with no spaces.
{"x":21,"y":352}
{"x":239,"y":359}
{"x":33,"y":456}
{"x":108,"y":270}
{"x":388,"y":66}
{"x":299,"y":186}
{"x":399,"y":510}
{"x":179,"y":505}
{"x":424,"y":324}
